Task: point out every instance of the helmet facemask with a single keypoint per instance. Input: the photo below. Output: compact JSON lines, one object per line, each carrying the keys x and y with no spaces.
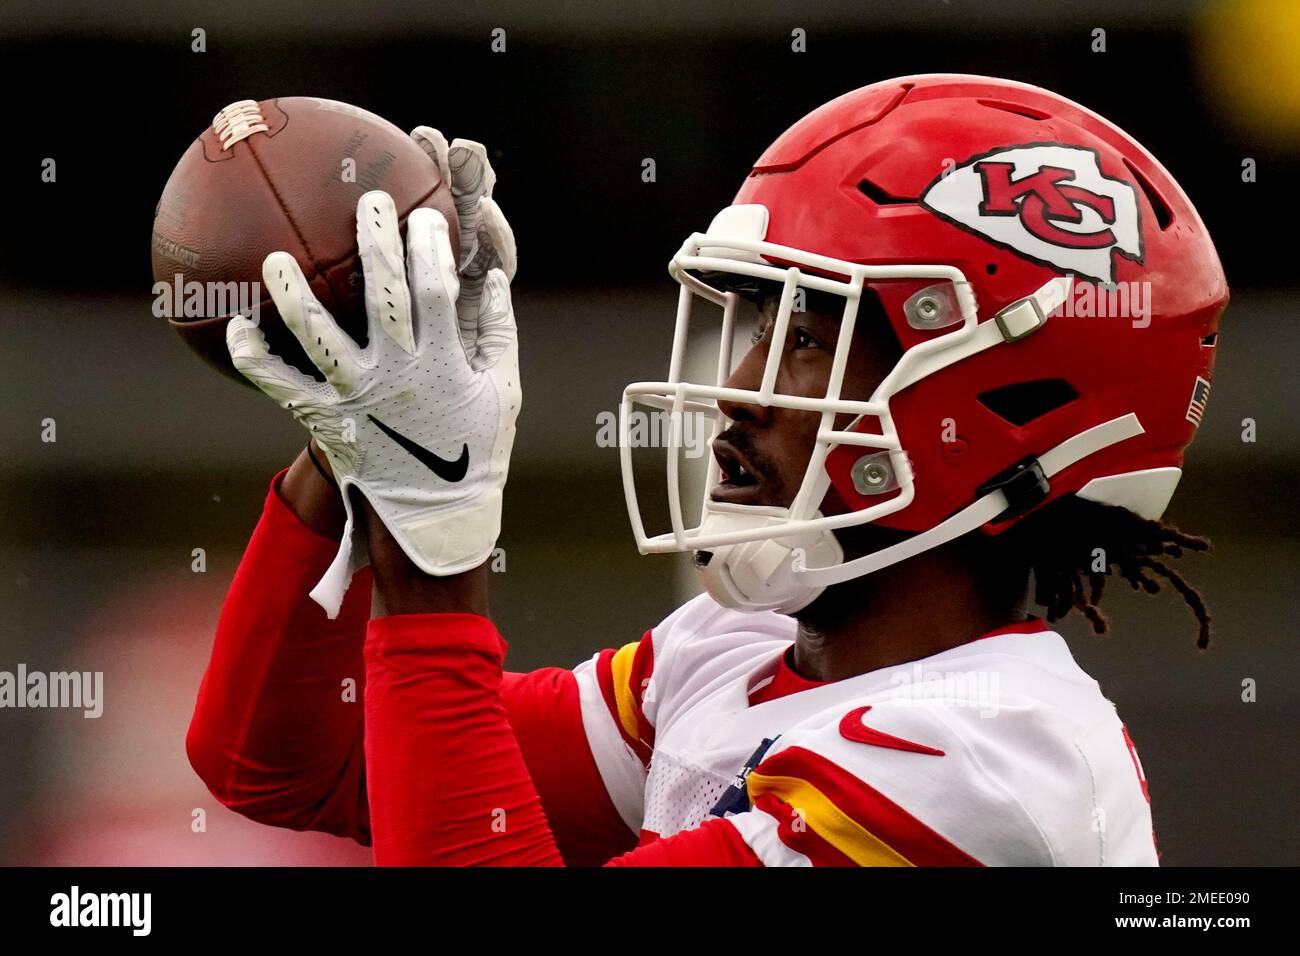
{"x":755,"y":556}
{"x":782,"y":558}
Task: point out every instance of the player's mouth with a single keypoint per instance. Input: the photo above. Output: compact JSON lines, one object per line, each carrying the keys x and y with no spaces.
{"x":740,"y":483}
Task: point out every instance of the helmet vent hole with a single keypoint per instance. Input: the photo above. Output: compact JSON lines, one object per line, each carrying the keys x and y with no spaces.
{"x":1026,"y":111}
{"x":879,"y":196}
{"x":1024,"y":402}
{"x":1164,"y":216}
{"x":991,"y":268}
{"x":1210,"y":341}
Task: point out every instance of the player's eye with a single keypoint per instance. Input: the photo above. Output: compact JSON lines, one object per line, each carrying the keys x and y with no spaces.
{"x":803,"y":339}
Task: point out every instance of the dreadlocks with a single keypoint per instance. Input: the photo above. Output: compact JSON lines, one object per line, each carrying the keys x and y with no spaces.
{"x":1070,"y":538}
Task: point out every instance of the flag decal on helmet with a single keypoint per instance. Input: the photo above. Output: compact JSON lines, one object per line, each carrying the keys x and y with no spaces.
{"x":1047,"y":202}
{"x":1200,"y":395}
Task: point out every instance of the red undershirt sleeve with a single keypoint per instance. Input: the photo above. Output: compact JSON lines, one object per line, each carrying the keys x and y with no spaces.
{"x":713,"y":843}
{"x":276,"y":732}
{"x":278,"y":729}
{"x":546,"y":717}
{"x":448,"y":782}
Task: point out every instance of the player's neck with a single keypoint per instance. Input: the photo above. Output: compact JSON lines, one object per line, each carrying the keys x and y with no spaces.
{"x":910,"y":611}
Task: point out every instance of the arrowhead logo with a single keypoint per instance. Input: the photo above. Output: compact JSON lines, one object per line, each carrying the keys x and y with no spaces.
{"x":1046,"y":202}
{"x":452,"y":471}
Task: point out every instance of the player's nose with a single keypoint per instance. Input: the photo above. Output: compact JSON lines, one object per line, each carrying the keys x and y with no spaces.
{"x":747,"y":376}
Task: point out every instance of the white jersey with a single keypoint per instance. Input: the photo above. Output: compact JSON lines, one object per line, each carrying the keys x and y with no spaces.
{"x":1001,"y":751}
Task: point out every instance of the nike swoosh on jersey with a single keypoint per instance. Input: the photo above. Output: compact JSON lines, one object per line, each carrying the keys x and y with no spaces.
{"x":452,"y":471}
{"x":852,"y":728}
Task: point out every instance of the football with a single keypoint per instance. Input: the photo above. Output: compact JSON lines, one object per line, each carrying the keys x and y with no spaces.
{"x":279,"y":175}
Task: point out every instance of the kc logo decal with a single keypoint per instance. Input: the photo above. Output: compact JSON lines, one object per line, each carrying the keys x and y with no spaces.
{"x":1046,"y":202}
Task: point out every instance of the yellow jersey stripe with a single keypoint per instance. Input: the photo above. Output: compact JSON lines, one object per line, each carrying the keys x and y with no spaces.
{"x":827,"y":820}
{"x":620,"y":668}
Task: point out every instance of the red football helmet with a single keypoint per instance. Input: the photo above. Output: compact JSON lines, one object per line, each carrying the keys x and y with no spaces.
{"x":1055,"y":294}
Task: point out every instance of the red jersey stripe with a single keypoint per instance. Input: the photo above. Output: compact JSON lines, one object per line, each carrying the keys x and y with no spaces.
{"x":849,"y":813}
{"x":793,"y":829}
{"x":622,"y":675}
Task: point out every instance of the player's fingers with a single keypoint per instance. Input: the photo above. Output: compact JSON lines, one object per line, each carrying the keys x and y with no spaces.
{"x":472,"y":178}
{"x":500,"y":235}
{"x":496,"y":322}
{"x":472,"y":175}
{"x":431,"y":266}
{"x":388,"y":301}
{"x":435,"y":146}
{"x":249,"y":352}
{"x":325,"y":343}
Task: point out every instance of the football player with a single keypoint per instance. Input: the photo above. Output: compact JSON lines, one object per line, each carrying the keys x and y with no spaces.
{"x":983,"y":326}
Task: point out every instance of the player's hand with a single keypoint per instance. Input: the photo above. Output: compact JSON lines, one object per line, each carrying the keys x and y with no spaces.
{"x":422,"y":420}
{"x":486,"y":240}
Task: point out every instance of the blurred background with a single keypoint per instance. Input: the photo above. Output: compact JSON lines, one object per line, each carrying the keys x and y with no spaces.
{"x":156,"y":455}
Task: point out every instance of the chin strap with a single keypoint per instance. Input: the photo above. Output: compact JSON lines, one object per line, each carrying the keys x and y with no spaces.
{"x":1016,"y":490}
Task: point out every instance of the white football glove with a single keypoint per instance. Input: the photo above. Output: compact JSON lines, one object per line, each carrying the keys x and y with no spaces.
{"x":422,"y":419}
{"x":486,"y":241}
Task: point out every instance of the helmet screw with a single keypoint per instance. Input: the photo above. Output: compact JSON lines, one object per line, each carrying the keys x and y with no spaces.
{"x":931,"y":308}
{"x":871,"y":474}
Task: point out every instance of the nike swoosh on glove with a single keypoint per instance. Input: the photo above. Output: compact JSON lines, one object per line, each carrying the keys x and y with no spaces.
{"x":422,"y":420}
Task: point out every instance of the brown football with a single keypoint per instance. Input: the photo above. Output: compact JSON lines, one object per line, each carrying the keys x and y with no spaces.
{"x":281,"y":174}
